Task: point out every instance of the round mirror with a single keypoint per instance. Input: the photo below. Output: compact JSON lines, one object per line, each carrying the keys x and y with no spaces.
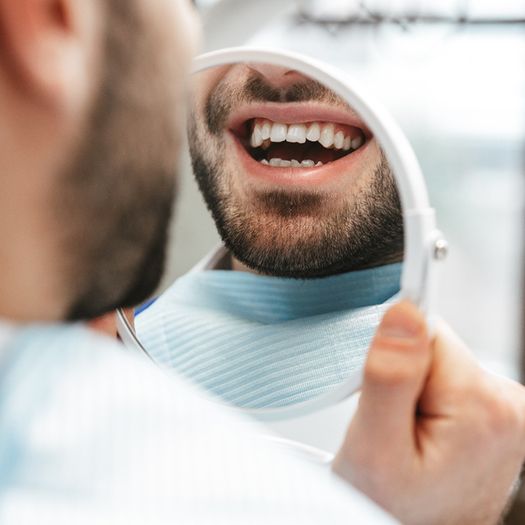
{"x":324,"y":218}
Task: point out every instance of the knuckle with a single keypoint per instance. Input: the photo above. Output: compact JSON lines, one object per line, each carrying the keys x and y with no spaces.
{"x":504,"y":415}
{"x":495,"y":406}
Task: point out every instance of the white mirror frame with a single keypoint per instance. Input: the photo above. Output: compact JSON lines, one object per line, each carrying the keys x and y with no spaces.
{"x":424,"y":244}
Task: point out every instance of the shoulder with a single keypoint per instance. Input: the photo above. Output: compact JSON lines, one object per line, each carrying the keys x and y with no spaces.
{"x":89,"y":430}
{"x":73,"y":363}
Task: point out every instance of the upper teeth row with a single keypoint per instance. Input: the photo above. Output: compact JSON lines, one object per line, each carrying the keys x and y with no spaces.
{"x":324,"y":133}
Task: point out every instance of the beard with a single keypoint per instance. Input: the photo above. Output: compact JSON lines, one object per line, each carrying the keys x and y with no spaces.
{"x":116,"y":195}
{"x":293,"y":233}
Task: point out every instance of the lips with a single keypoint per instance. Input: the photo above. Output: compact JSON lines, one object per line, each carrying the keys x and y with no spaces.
{"x":296,"y":113}
{"x":305,"y":143}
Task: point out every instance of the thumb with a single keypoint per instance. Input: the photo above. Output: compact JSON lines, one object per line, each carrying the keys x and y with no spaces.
{"x":397,"y":366}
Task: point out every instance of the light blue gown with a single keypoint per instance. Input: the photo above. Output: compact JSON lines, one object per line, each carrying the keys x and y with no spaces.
{"x":91,"y":435}
{"x":259,"y":341}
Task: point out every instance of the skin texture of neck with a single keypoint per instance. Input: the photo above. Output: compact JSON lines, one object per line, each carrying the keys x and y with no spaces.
{"x":238,"y":266}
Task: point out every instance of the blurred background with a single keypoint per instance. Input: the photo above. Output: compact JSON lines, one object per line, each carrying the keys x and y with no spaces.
{"x":452,"y":73}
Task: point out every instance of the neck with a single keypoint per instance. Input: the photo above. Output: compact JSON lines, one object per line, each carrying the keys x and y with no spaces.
{"x":238,"y":266}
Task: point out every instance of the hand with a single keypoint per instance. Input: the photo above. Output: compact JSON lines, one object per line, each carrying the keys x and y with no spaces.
{"x":435,"y":439}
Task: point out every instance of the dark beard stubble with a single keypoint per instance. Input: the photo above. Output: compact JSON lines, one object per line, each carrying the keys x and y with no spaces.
{"x":116,"y":197}
{"x":285,"y":234}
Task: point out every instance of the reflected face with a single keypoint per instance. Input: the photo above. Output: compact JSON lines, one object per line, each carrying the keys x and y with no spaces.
{"x":296,"y":183}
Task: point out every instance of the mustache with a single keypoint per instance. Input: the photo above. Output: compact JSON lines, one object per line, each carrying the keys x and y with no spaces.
{"x":224,"y":98}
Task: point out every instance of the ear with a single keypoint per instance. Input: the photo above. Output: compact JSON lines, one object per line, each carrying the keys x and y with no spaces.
{"x":49,"y":45}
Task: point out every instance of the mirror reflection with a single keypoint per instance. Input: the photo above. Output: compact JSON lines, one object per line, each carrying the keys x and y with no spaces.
{"x":307,"y":208}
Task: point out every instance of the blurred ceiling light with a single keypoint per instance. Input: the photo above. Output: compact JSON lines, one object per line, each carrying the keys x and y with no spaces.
{"x":375,"y":11}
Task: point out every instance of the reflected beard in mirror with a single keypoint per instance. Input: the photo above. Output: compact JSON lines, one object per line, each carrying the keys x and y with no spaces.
{"x":327,"y":209}
{"x":119,"y":187}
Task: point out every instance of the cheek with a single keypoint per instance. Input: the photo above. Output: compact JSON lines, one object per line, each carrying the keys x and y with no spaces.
{"x":187,"y":31}
{"x":175,"y":30}
{"x":370,"y":163}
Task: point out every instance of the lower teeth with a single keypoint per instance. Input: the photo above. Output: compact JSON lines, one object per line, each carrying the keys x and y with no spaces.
{"x":280,"y":163}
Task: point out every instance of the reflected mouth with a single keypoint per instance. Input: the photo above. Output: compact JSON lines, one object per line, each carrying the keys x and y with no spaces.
{"x":298,"y":145}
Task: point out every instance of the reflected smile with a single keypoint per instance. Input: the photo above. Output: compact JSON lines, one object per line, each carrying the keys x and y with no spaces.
{"x":305,"y":145}
{"x":295,"y":142}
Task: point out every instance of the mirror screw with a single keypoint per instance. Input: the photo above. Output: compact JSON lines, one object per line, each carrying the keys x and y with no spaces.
{"x":440,"y":250}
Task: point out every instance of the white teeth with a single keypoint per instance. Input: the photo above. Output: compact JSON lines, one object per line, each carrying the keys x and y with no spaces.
{"x":339,"y":140}
{"x":314,"y":132}
{"x":280,"y":163}
{"x":256,"y":139}
{"x":296,"y":133}
{"x":327,"y":135}
{"x":279,"y":132}
{"x":266,"y":130}
{"x":357,"y":143}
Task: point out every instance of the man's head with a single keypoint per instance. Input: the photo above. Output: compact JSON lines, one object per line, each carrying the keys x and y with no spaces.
{"x":330,"y":207}
{"x":90,"y":96}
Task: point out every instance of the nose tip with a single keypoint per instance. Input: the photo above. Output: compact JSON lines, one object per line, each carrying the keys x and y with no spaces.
{"x":276,"y":75}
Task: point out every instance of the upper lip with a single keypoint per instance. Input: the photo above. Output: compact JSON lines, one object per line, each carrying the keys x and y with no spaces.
{"x":296,"y":113}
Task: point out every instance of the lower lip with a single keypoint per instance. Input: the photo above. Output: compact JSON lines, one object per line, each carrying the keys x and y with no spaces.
{"x":316,"y":176}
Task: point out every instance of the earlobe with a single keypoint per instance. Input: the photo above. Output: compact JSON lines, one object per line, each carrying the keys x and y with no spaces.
{"x":43,"y":48}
